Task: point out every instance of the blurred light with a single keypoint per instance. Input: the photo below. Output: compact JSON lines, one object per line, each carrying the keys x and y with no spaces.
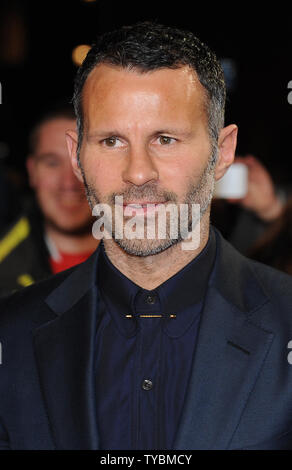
{"x":79,"y":53}
{"x":89,"y":1}
{"x":14,"y":38}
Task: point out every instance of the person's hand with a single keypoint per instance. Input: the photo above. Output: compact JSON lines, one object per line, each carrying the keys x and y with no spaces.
{"x":261,"y":197}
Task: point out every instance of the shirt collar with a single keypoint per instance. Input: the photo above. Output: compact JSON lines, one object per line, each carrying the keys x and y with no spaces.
{"x":178,"y":299}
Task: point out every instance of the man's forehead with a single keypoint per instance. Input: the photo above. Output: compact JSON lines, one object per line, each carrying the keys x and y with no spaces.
{"x":106,"y":81}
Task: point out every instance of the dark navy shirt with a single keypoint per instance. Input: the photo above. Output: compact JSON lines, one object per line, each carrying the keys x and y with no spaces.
{"x":145,"y":342}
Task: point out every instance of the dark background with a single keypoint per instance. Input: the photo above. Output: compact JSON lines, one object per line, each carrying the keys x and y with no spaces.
{"x":37,"y":38}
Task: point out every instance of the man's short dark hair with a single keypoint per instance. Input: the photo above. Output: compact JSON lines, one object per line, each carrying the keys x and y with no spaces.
{"x":148,"y":46}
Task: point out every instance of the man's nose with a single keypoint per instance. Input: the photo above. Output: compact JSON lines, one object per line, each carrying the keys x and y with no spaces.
{"x":140,"y":168}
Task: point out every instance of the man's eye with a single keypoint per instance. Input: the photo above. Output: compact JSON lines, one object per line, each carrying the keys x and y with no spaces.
{"x":165,"y":140}
{"x":112,"y":142}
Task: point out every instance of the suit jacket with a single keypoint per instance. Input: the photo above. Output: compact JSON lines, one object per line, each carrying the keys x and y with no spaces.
{"x":240,"y":391}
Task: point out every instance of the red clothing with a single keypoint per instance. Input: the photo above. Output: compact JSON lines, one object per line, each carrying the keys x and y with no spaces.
{"x":67,"y":260}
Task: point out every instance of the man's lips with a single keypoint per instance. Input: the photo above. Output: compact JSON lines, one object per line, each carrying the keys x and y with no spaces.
{"x":142,"y":207}
{"x":143,"y":203}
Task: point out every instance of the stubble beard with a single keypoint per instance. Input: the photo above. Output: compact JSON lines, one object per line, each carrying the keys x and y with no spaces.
{"x":200,"y":193}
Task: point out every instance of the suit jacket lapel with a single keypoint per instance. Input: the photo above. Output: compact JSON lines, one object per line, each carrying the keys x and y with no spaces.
{"x":231,"y":348}
{"x":229,"y":355}
{"x":64,"y":350}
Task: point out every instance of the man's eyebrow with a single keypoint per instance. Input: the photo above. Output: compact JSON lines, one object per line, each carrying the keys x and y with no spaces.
{"x":114,"y":132}
{"x":102,"y":133}
{"x":174,"y":131}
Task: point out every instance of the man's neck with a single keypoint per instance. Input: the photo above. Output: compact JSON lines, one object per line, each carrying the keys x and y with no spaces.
{"x":72,"y":244}
{"x":150,"y":271}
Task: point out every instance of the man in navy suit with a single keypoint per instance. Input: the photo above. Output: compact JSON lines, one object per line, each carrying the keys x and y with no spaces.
{"x":155,"y":342}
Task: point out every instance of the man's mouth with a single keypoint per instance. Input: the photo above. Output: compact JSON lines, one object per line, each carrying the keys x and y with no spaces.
{"x":142,"y":207}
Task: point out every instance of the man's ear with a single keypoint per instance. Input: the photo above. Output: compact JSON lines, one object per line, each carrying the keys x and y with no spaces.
{"x":226,"y":145}
{"x":31,"y":170}
{"x":72,"y":144}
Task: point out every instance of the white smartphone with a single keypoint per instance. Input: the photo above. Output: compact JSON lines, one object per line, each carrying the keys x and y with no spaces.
{"x":234,"y":183}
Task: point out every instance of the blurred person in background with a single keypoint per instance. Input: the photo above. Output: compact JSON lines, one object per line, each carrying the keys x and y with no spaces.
{"x":54,"y":232}
{"x":275,"y":246}
{"x":9,"y":201}
{"x":243,"y":221}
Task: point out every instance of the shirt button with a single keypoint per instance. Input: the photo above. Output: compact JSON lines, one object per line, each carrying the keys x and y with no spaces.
{"x":147,"y":384}
{"x":150,"y":299}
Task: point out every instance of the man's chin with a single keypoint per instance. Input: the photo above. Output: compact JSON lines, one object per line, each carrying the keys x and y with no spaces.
{"x":143,"y":248}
